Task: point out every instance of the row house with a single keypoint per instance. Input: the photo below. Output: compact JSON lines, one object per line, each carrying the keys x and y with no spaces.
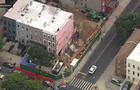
{"x":45,"y":25}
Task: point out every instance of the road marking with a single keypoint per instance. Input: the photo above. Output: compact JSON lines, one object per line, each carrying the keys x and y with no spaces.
{"x":92,"y":87}
{"x":72,"y":81}
{"x":135,"y":7}
{"x":84,"y":85}
{"x":82,"y":73}
{"x":104,"y":49}
{"x":78,"y":83}
{"x":89,"y":86}
{"x":81,"y":84}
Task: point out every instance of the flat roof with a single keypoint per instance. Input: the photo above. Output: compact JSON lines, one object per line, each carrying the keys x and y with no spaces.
{"x":44,"y":17}
{"x":135,"y":54}
{"x":15,"y":11}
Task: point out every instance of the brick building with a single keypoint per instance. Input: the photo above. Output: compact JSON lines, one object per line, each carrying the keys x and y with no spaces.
{"x":125,"y":50}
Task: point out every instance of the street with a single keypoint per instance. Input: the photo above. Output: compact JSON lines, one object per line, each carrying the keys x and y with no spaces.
{"x":101,"y":57}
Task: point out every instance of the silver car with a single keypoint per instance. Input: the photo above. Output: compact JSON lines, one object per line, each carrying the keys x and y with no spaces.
{"x":92,"y":69}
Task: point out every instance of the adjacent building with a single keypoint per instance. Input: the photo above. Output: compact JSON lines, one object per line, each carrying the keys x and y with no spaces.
{"x":97,"y":5}
{"x":125,"y":50}
{"x":9,"y":19}
{"x":39,"y":23}
{"x":133,"y":65}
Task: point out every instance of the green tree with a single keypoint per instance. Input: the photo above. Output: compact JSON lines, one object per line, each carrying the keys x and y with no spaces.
{"x":40,"y":56}
{"x":124,"y":26}
{"x":1,"y":43}
{"x":16,"y":81}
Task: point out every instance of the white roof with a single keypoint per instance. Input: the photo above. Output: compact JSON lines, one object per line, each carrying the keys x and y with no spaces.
{"x":135,"y":54}
{"x":74,"y":62}
{"x":15,"y":11}
{"x":44,"y":17}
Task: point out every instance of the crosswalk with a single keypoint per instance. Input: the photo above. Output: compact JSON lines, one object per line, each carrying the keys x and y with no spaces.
{"x":81,"y":84}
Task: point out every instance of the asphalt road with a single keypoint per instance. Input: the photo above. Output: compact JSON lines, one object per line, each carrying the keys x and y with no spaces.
{"x":104,"y":53}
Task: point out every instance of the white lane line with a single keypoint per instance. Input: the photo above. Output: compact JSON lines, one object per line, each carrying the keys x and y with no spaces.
{"x":79,"y":86}
{"x":84,"y":85}
{"x":104,"y":49}
{"x":82,"y":73}
{"x":92,"y":87}
{"x":72,"y":81}
{"x":89,"y":86}
{"x":78,"y":83}
{"x":77,"y":80}
{"x":135,"y":7}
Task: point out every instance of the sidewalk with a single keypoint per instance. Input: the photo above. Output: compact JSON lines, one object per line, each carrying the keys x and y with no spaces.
{"x":107,"y":26}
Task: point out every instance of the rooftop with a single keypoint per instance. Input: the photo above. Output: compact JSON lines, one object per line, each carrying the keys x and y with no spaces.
{"x":41,"y":16}
{"x":135,"y":54}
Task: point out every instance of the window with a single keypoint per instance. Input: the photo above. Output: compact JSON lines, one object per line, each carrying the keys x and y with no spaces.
{"x":53,"y":44}
{"x":44,"y":36}
{"x":128,"y":71}
{"x":138,"y":68}
{"x":49,"y":37}
{"x":133,"y":73}
{"x":27,"y":36}
{"x":18,"y":25}
{"x":128,"y":77}
{"x":44,"y":42}
{"x":49,"y":43}
{"x":9,"y":24}
{"x":53,"y":38}
{"x":138,"y":74}
{"x":128,"y":64}
{"x":133,"y":79}
{"x":13,"y":25}
{"x":133,"y":66}
{"x":4,"y":22}
{"x":49,"y":49}
{"x":26,"y":29}
{"x":31,"y":36}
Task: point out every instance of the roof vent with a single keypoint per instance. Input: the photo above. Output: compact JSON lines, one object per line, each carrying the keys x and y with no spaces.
{"x":45,"y":24}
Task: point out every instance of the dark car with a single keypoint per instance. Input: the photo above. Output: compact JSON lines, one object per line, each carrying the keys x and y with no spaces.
{"x":116,"y":82}
{"x":9,"y":65}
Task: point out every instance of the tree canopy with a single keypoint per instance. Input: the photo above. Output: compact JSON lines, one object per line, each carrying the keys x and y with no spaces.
{"x":40,"y":56}
{"x":1,"y":43}
{"x":16,"y":81}
{"x":126,"y":24}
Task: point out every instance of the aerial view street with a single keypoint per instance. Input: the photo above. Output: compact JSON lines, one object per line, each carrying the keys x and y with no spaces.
{"x":69,"y":44}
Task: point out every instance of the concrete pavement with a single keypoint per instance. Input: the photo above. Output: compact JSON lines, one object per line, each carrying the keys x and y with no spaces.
{"x":106,"y":27}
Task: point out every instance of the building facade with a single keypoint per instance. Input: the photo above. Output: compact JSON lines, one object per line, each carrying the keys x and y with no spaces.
{"x":45,"y":25}
{"x":9,"y":19}
{"x":97,"y":5}
{"x":133,"y":65}
{"x":125,"y":50}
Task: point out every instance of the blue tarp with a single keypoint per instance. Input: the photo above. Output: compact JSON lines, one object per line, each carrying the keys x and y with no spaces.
{"x":25,"y":61}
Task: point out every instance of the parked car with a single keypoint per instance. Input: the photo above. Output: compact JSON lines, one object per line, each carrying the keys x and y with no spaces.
{"x":92,"y":69}
{"x":116,"y":81}
{"x":9,"y":65}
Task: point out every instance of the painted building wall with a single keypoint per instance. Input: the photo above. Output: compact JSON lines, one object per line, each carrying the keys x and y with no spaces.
{"x":23,"y":34}
{"x":36,"y":35}
{"x":64,"y":35}
{"x":132,"y":70}
{"x":9,"y":26}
